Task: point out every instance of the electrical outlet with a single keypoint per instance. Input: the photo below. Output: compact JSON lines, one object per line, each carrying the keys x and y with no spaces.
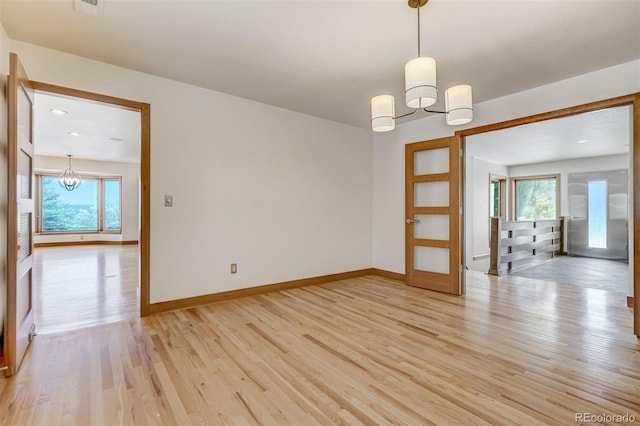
{"x":168,"y":200}
{"x":234,"y":268}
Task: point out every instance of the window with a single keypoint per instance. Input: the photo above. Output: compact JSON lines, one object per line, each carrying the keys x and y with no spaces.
{"x":536,"y":198}
{"x":111,"y":205}
{"x":92,"y":207}
{"x":497,"y":199}
{"x":597,"y":215}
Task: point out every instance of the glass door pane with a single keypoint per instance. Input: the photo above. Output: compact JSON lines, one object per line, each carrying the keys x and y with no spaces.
{"x":431,"y":227}
{"x":431,"y":194}
{"x":431,"y":161}
{"x":597,"y":216}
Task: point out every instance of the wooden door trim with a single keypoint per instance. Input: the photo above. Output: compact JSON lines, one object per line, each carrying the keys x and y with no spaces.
{"x":145,"y":174}
{"x":631,"y":99}
{"x":636,"y":214}
{"x":503,"y":194}
{"x":564,"y":112}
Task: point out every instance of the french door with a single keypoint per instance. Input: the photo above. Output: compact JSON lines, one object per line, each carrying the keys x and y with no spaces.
{"x":598,"y":207}
{"x":20,"y":217}
{"x":433,"y":215}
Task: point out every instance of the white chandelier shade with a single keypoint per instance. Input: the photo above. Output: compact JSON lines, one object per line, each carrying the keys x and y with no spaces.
{"x":458,"y":105}
{"x":420,"y":82}
{"x":383,"y":112}
{"x":421,"y":92}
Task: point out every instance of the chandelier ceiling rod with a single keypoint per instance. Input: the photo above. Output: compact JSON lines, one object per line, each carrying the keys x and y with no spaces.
{"x":418,"y":11}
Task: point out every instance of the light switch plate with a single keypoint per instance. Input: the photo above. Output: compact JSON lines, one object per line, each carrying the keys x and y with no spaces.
{"x":168,"y":200}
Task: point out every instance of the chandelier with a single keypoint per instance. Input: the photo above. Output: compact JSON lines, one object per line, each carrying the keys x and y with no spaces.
{"x":69,"y":179}
{"x":421,"y":92}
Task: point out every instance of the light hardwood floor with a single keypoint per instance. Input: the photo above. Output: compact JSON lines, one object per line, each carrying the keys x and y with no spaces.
{"x":361,"y":351}
{"x":609,"y":275}
{"x":81,"y":286}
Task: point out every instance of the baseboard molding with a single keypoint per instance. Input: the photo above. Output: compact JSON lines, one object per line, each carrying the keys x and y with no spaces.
{"x":188,"y":302}
{"x":388,"y":274}
{"x":630,"y":301}
{"x":87,"y":243}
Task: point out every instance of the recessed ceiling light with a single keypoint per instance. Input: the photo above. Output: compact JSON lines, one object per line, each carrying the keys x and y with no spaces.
{"x":583,"y":141}
{"x":73,"y":134}
{"x":57,"y":111}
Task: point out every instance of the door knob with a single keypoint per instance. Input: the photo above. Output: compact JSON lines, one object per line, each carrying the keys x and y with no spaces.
{"x":410,"y":221}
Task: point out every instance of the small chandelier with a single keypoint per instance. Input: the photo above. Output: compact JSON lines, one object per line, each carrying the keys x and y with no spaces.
{"x":69,"y":179}
{"x":421,"y":92}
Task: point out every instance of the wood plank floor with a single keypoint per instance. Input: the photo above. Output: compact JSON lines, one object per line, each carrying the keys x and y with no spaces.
{"x":81,"y":286}
{"x":610,"y":275}
{"x":360,"y":351}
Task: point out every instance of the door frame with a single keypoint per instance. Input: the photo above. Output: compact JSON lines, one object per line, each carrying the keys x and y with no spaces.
{"x":454,"y":281}
{"x":503,"y":183}
{"x":631,"y":99}
{"x":145,"y":174}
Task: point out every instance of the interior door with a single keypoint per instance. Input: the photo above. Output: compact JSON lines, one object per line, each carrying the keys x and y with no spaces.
{"x":598,"y":210}
{"x":20,"y":217}
{"x":433,"y":215}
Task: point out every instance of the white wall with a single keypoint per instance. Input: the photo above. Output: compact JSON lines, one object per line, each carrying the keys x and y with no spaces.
{"x":130,"y":174}
{"x":283,"y":194}
{"x":388,"y":154}
{"x":477,"y":218}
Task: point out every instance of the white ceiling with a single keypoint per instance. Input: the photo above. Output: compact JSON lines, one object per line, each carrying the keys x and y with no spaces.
{"x":592,"y":134}
{"x":105,"y":133}
{"x":328,"y":58}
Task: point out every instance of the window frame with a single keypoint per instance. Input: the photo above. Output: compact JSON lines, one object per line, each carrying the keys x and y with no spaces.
{"x":514,"y":193}
{"x":502,"y":206}
{"x":100,"y":205}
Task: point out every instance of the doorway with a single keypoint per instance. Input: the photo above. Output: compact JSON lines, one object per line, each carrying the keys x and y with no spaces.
{"x":86,"y":233}
{"x":144,"y":177}
{"x":633,"y":103}
{"x":18,"y":331}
